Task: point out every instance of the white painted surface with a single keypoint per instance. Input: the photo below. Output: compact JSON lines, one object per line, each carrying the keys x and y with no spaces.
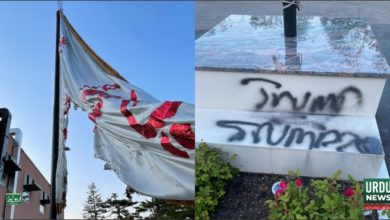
{"x":208,"y":130}
{"x":324,"y":164}
{"x":249,"y":159}
{"x":262,"y":157}
{"x":383,"y":173}
{"x":224,"y":90}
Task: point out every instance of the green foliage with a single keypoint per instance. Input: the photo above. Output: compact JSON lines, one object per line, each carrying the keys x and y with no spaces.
{"x":94,"y":206}
{"x":212,"y":175}
{"x":160,"y":209}
{"x":325,"y":200}
{"x":117,"y":208}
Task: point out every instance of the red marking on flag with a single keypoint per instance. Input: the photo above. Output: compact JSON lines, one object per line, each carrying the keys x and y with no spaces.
{"x":166,"y":110}
{"x":93,"y":91}
{"x":67,"y":105}
{"x":183,"y":134}
{"x":133,"y":97}
{"x":65,"y":133}
{"x":147,"y":130}
{"x":156,"y":123}
{"x":110,"y":87}
{"x":62,"y":41}
{"x":104,"y":87}
{"x":156,"y":119}
{"x":90,"y":87}
{"x":67,"y":100}
{"x":168,"y":146}
{"x":90,"y":92}
{"x":96,"y":110}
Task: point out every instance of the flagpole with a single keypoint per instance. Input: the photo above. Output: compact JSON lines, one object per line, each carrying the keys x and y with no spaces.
{"x":56,"y":110}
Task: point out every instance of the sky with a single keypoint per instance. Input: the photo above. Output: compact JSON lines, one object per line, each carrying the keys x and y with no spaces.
{"x":151,"y":44}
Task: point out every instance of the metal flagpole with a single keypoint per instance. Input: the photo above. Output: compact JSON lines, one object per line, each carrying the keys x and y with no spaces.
{"x":56,"y":110}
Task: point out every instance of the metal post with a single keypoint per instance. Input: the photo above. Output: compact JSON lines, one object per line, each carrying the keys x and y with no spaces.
{"x":56,"y":109}
{"x":290,"y":18}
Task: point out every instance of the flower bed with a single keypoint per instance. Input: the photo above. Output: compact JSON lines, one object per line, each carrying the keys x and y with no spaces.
{"x":247,"y":194}
{"x":321,"y":199}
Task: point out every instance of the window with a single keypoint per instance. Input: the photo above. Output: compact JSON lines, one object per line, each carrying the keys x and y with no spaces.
{"x":26,"y":179}
{"x":11,"y":180}
{"x":44,"y":199}
{"x":29,"y":184}
{"x":26,"y":196}
{"x":42,"y":209}
{"x":2,"y":179}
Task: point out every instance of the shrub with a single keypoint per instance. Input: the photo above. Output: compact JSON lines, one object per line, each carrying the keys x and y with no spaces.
{"x":212,"y":175}
{"x":324,"y":200}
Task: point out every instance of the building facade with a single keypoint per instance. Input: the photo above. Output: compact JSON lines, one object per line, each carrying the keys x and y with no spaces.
{"x":20,"y":175}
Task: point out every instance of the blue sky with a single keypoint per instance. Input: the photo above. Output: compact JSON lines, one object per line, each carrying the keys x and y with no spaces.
{"x":150,"y":43}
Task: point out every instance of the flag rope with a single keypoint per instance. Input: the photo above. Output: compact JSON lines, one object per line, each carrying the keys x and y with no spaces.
{"x":60,"y":5}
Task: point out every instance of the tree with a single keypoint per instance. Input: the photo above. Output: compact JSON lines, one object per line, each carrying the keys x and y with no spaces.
{"x":129,"y":194}
{"x":118,"y":207}
{"x":161,"y":209}
{"x":154,"y":208}
{"x":94,"y":206}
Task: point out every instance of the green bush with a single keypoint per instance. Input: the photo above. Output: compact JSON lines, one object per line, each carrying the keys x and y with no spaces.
{"x":212,"y":175}
{"x":325,"y":199}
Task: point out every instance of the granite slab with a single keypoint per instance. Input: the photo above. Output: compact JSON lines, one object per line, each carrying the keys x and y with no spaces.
{"x":318,"y":145}
{"x":324,"y":46}
{"x":293,"y":131}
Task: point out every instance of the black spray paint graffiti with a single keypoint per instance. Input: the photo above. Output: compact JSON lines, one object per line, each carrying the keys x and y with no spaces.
{"x":296,"y":135}
{"x":334,"y":102}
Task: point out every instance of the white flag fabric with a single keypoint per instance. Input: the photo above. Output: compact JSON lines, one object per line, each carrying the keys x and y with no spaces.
{"x":149,"y":144}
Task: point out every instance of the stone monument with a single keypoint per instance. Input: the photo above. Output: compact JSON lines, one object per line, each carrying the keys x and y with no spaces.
{"x":306,"y":102}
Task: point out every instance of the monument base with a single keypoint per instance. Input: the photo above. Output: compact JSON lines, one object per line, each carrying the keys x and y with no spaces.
{"x":269,"y":142}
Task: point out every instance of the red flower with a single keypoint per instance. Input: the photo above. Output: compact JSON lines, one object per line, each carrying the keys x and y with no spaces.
{"x":349,"y":192}
{"x":283,"y":185}
{"x":278,"y":193}
{"x":298,"y":182}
